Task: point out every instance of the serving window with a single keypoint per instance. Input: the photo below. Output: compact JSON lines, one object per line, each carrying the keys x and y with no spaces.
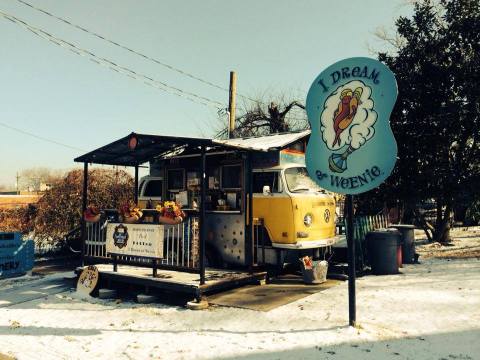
{"x":176,"y":179}
{"x":224,"y":184}
{"x":231,"y":177}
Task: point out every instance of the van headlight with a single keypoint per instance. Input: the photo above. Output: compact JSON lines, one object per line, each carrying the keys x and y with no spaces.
{"x":308,"y":219}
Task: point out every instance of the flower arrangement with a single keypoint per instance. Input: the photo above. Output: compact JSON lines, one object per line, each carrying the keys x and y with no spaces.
{"x":307,"y":262}
{"x":170,"y":213}
{"x":92,"y":214}
{"x":130,"y":213}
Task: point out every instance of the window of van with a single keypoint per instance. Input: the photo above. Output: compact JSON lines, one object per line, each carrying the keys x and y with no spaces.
{"x":270,"y":178}
{"x":298,"y":180}
{"x":153,"y":188}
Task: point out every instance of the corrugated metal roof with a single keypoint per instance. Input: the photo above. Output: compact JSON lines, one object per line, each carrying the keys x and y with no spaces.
{"x":264,"y":143}
{"x":146,"y":148}
{"x":149,"y":146}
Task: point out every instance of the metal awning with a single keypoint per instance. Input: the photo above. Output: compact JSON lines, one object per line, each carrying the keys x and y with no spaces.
{"x":264,"y":143}
{"x":136,"y":149}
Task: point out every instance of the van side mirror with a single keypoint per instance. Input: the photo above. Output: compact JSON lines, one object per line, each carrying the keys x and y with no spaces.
{"x":266,"y":190}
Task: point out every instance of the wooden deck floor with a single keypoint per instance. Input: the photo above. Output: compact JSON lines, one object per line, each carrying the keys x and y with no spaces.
{"x":215,"y":279}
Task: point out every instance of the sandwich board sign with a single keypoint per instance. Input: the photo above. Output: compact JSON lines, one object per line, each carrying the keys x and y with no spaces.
{"x":351,"y":148}
{"x":88,"y":280}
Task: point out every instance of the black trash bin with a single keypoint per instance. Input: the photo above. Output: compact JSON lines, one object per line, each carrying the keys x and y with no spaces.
{"x":382,"y":248}
{"x":408,"y":242}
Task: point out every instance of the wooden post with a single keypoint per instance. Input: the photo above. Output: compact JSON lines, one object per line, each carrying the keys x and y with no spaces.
{"x":154,"y":265}
{"x":135,"y":191}
{"x":250,"y":238}
{"x":248,"y":196}
{"x":84,"y":207}
{"x":232,"y":103}
{"x":352,"y":315}
{"x":202,"y":224}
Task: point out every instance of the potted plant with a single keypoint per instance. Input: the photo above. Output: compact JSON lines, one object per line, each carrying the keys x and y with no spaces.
{"x":92,"y":214}
{"x":130,"y":213}
{"x":170,"y":213}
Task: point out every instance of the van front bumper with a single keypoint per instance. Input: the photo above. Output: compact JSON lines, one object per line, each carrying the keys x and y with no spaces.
{"x":310,"y":244}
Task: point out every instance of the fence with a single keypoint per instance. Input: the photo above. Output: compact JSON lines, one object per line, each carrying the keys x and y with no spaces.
{"x":180,"y":245}
{"x":361,"y":226}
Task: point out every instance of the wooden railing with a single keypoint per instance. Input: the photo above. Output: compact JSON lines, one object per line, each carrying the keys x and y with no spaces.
{"x":181,"y":246}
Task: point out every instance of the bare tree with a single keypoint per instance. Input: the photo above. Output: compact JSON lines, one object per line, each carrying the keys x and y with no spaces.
{"x":33,"y":178}
{"x":267,"y":117}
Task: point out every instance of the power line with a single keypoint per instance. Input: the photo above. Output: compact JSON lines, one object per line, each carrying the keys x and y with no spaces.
{"x":114,"y":66}
{"x":117,"y":44}
{"x":40,"y":137}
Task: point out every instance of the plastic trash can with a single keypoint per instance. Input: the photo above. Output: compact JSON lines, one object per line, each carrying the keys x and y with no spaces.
{"x":408,"y":242}
{"x":382,"y":248}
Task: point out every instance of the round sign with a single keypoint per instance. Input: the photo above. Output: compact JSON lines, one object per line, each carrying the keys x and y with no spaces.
{"x":88,"y":280}
{"x":132,"y":143}
{"x":351,"y":148}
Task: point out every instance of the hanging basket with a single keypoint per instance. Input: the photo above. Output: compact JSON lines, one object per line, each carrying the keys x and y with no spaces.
{"x":169,"y":220}
{"x":92,"y":214}
{"x":92,"y":218}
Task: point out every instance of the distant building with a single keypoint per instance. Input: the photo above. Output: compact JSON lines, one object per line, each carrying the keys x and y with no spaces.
{"x":44,"y":187}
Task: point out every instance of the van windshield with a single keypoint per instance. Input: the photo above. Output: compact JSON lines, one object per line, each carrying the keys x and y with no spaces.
{"x":298,"y":180}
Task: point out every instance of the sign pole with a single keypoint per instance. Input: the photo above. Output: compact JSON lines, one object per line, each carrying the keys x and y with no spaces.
{"x":352,"y":312}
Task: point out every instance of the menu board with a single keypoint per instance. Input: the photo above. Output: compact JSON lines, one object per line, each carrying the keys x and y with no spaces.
{"x":135,"y":240}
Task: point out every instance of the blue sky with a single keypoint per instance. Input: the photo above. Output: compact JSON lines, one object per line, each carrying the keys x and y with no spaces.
{"x":275,"y":46}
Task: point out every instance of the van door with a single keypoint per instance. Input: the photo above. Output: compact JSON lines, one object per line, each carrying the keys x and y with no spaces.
{"x":275,"y":208}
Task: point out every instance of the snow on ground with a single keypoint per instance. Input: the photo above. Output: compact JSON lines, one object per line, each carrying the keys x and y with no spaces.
{"x":430,"y":311}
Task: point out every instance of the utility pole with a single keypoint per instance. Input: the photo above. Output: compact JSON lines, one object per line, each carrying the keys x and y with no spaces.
{"x":16,"y":184}
{"x":231,"y":103}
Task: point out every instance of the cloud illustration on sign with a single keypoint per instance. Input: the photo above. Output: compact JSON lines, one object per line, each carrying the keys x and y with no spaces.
{"x":348,"y":117}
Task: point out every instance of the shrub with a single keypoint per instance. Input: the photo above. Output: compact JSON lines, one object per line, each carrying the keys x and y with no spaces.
{"x":60,"y":209}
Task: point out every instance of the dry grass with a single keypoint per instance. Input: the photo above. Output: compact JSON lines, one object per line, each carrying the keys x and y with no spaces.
{"x":14,"y":201}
